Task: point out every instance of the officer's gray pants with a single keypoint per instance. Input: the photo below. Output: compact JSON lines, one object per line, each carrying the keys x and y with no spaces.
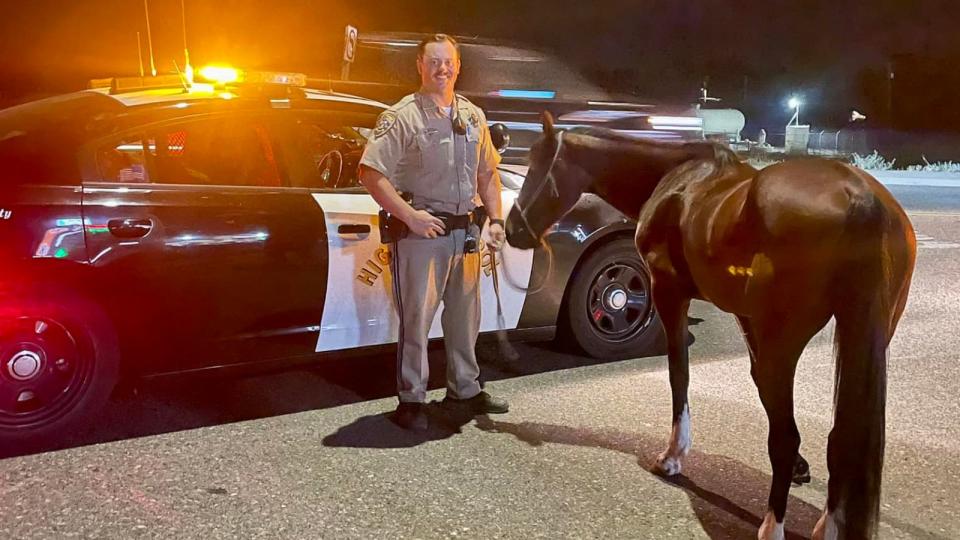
{"x":427,"y":271}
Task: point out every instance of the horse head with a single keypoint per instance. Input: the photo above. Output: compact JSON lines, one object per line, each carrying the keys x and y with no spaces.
{"x":553,"y":185}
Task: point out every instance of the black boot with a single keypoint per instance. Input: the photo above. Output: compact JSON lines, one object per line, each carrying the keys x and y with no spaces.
{"x":482,"y":403}
{"x":410,"y":416}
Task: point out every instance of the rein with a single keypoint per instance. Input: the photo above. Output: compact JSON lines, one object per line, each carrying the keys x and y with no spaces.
{"x":547,"y":179}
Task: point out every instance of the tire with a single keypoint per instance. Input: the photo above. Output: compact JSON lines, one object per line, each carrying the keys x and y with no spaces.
{"x":59,"y":362}
{"x":609,"y":310}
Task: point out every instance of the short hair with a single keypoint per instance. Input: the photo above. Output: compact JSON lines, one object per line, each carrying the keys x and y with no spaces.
{"x":436,"y":38}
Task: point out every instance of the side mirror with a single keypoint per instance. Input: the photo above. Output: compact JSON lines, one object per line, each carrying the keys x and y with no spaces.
{"x":500,"y":136}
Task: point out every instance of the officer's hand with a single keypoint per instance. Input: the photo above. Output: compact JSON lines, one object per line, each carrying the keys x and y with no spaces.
{"x":496,"y":236}
{"x":425,"y":225}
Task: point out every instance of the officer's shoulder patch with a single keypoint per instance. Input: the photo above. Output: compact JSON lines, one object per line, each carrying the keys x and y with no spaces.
{"x":385,"y":122}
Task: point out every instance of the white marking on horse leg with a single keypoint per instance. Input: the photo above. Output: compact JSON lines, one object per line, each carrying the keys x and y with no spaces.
{"x":770,"y":529}
{"x":826,"y":528}
{"x":670,"y":461}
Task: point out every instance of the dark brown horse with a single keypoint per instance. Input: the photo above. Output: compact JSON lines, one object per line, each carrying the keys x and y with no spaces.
{"x":783,"y":249}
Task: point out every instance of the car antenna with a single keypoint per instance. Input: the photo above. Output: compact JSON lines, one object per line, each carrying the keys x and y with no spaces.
{"x":183,"y":78}
{"x":188,"y":69}
{"x":146,"y":13}
{"x":140,"y":54}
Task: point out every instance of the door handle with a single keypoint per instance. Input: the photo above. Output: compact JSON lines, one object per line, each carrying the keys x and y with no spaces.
{"x":353,"y":228}
{"x":129,"y":227}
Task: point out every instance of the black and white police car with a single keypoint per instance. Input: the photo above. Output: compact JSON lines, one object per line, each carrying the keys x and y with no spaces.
{"x":152,"y":226}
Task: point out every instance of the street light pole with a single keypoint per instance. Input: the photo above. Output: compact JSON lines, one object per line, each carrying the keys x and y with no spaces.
{"x":794,"y":104}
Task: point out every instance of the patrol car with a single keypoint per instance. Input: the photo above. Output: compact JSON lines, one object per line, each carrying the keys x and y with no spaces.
{"x":158,"y":226}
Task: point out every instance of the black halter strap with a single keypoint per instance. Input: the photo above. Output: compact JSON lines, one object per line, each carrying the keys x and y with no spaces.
{"x":547,"y":179}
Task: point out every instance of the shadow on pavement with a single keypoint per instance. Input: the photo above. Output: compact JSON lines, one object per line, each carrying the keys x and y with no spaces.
{"x":189,"y":402}
{"x":728,"y":497}
{"x":378,"y":431}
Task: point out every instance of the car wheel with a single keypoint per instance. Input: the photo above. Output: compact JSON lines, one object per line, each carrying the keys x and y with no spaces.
{"x":609,"y":309}
{"x":59,"y":362}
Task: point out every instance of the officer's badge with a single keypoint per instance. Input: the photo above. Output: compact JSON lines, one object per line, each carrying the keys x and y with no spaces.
{"x":385,"y":121}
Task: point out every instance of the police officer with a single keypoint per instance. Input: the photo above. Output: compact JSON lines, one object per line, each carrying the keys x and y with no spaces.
{"x":435,"y":146}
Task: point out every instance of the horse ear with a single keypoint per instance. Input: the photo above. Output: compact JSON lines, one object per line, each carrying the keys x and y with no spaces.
{"x":547,"y":120}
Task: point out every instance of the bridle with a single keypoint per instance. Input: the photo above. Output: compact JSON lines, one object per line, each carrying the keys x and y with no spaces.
{"x":547,"y":179}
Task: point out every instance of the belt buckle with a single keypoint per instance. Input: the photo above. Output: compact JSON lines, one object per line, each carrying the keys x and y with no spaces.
{"x":445,"y":218}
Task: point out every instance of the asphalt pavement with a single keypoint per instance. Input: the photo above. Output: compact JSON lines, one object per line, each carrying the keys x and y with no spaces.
{"x":310,"y":453}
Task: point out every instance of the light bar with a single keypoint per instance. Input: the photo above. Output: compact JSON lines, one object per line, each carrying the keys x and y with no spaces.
{"x":677,"y":120}
{"x":599,"y":116}
{"x":220,"y":74}
{"x":121,"y":85}
{"x":275,"y":77}
{"x":676,"y":123}
{"x":525,"y":94}
{"x":620,"y":104}
{"x":388,"y":43}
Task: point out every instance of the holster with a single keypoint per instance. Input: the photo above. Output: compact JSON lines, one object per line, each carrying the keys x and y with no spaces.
{"x":480,"y":216}
{"x":392,"y":229}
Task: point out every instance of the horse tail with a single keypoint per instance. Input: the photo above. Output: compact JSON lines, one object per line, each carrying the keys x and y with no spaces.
{"x":724,"y":156}
{"x":863,"y":313}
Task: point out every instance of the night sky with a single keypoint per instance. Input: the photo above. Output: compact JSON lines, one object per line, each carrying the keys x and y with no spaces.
{"x":837,"y":53}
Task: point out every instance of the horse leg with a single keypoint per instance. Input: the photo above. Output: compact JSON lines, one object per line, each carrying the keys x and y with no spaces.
{"x":672,"y":308}
{"x":801,"y":469}
{"x":778,"y":349}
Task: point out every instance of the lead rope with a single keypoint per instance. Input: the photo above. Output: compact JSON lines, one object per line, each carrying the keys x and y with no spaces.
{"x":507,"y":351}
{"x":543,"y":283}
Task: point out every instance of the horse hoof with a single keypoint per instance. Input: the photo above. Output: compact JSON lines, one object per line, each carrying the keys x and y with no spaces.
{"x":770,"y":529}
{"x":801,"y":471}
{"x":668,"y":465}
{"x":826,"y":528}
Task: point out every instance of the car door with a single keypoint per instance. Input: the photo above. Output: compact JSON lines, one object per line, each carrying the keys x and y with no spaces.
{"x":209,"y":259}
{"x":326,"y":148}
{"x":359,"y":309}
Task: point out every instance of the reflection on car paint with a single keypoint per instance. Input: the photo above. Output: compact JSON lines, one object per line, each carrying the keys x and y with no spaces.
{"x":579,"y":233}
{"x":217,"y":240}
{"x":52,"y":244}
{"x":100,"y":255}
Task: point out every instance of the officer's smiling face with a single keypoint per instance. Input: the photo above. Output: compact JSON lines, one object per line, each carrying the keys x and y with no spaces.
{"x":438,"y":67}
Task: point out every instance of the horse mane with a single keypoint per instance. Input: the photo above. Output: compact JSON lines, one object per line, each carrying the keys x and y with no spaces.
{"x":719,"y":153}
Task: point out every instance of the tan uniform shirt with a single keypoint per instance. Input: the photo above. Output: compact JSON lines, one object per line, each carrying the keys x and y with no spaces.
{"x":415,"y":147}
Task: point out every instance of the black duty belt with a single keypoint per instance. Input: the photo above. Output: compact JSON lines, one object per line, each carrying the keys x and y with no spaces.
{"x":454,"y":221}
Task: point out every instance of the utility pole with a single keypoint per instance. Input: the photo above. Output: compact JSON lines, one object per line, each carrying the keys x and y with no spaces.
{"x":889,"y":101}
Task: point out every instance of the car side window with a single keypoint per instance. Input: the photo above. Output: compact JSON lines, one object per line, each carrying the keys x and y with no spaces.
{"x":227,"y":151}
{"x":329,"y":152}
{"x":123,"y":161}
